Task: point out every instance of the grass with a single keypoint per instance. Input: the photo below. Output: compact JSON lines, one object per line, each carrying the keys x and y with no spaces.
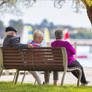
{"x":10,"y":87}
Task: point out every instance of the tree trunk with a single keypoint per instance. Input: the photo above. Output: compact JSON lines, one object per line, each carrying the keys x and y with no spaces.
{"x":89,"y":12}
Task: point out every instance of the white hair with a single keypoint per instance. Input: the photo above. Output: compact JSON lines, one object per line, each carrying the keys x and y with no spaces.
{"x":37,"y":34}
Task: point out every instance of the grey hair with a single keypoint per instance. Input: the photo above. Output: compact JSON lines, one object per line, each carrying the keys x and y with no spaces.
{"x":58,"y":34}
{"x":37,"y":34}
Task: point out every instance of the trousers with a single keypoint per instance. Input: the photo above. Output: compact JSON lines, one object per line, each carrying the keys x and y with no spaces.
{"x":75,"y":73}
{"x":36,"y":76}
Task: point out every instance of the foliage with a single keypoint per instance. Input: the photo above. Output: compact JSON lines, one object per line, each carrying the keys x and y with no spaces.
{"x":19,"y":25}
{"x":10,"y":87}
{"x":14,"y":5}
{"x":75,"y":33}
{"x":81,"y":35}
{"x":2,"y":28}
{"x":88,"y":2}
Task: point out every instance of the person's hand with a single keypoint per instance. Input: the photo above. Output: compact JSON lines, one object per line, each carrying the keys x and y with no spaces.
{"x":75,"y":43}
{"x":29,"y":45}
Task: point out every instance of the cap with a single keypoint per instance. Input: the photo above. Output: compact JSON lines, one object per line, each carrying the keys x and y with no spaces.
{"x":10,"y":29}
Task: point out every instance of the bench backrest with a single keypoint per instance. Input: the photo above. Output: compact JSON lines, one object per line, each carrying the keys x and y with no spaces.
{"x":36,"y":59}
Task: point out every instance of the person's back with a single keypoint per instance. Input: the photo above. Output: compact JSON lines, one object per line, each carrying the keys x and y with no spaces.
{"x":69,"y":48}
{"x":37,"y":38}
{"x":12,"y":40}
{"x":8,"y":41}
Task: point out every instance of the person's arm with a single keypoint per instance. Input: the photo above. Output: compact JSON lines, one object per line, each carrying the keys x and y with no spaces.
{"x":20,"y":46}
{"x":70,"y":47}
{"x":16,"y":43}
{"x":52,"y":44}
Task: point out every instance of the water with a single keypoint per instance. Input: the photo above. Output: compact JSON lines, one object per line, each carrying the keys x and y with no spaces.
{"x":84,"y":51}
{"x":81,"y":51}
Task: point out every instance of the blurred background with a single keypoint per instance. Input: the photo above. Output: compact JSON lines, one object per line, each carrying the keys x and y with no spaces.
{"x":49,"y":15}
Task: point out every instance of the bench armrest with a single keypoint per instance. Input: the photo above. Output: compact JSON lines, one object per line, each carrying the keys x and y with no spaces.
{"x":1,"y":58}
{"x":64,"y":58}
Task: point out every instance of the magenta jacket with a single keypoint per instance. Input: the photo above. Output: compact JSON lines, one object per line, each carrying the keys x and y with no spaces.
{"x":69,"y":48}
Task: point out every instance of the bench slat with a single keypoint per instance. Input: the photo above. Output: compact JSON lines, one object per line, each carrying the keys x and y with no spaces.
{"x":13,"y":60}
{"x":8,"y":57}
{"x":33,"y":58}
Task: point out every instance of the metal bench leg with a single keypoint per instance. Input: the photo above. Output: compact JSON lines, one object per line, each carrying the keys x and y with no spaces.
{"x":79,"y":77}
{"x":35,"y":82}
{"x":16,"y":78}
{"x":23,"y":77}
{"x":35,"y":75}
{"x":63,"y":77}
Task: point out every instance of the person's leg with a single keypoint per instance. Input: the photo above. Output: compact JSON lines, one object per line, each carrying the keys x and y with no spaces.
{"x":36,"y":76}
{"x":75,"y":73}
{"x":46,"y":76}
{"x":55,"y":77}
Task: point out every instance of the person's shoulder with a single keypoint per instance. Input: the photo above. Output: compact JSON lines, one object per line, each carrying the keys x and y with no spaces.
{"x":15,"y":38}
{"x":53,"y":42}
{"x":57,"y":41}
{"x":7,"y":38}
{"x":67,"y":43}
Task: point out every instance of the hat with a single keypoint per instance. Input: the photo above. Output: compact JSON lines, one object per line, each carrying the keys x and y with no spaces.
{"x":10,"y":29}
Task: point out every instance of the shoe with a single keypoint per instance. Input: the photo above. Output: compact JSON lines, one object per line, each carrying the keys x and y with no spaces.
{"x":85,"y":84}
{"x":43,"y":83}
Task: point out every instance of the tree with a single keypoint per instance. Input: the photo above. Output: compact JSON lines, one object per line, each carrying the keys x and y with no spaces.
{"x":89,"y":9}
{"x":14,"y":2}
{"x":44,"y":23}
{"x":2,"y":2}
{"x":14,"y":6}
{"x":2,"y":28}
{"x":57,"y":3}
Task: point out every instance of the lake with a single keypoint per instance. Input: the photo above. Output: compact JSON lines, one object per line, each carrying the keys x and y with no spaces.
{"x":84,"y":51}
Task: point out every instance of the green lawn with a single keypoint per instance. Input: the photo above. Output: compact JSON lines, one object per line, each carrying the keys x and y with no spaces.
{"x":10,"y":87}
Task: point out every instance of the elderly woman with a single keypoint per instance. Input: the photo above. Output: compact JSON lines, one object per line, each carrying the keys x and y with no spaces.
{"x":72,"y":62}
{"x":37,"y":40}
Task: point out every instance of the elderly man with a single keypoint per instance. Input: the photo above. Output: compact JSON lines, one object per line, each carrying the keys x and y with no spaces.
{"x":12,"y":40}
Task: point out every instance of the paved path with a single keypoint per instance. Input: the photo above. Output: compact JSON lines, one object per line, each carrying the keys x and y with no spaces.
{"x":69,"y":78}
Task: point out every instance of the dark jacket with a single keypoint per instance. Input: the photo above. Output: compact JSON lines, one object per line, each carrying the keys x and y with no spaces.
{"x":11,"y":41}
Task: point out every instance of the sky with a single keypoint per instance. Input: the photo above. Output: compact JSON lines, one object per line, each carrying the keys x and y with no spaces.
{"x":45,"y":10}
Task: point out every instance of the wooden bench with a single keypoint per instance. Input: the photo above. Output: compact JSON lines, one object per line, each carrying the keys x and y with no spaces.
{"x":36,"y":59}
